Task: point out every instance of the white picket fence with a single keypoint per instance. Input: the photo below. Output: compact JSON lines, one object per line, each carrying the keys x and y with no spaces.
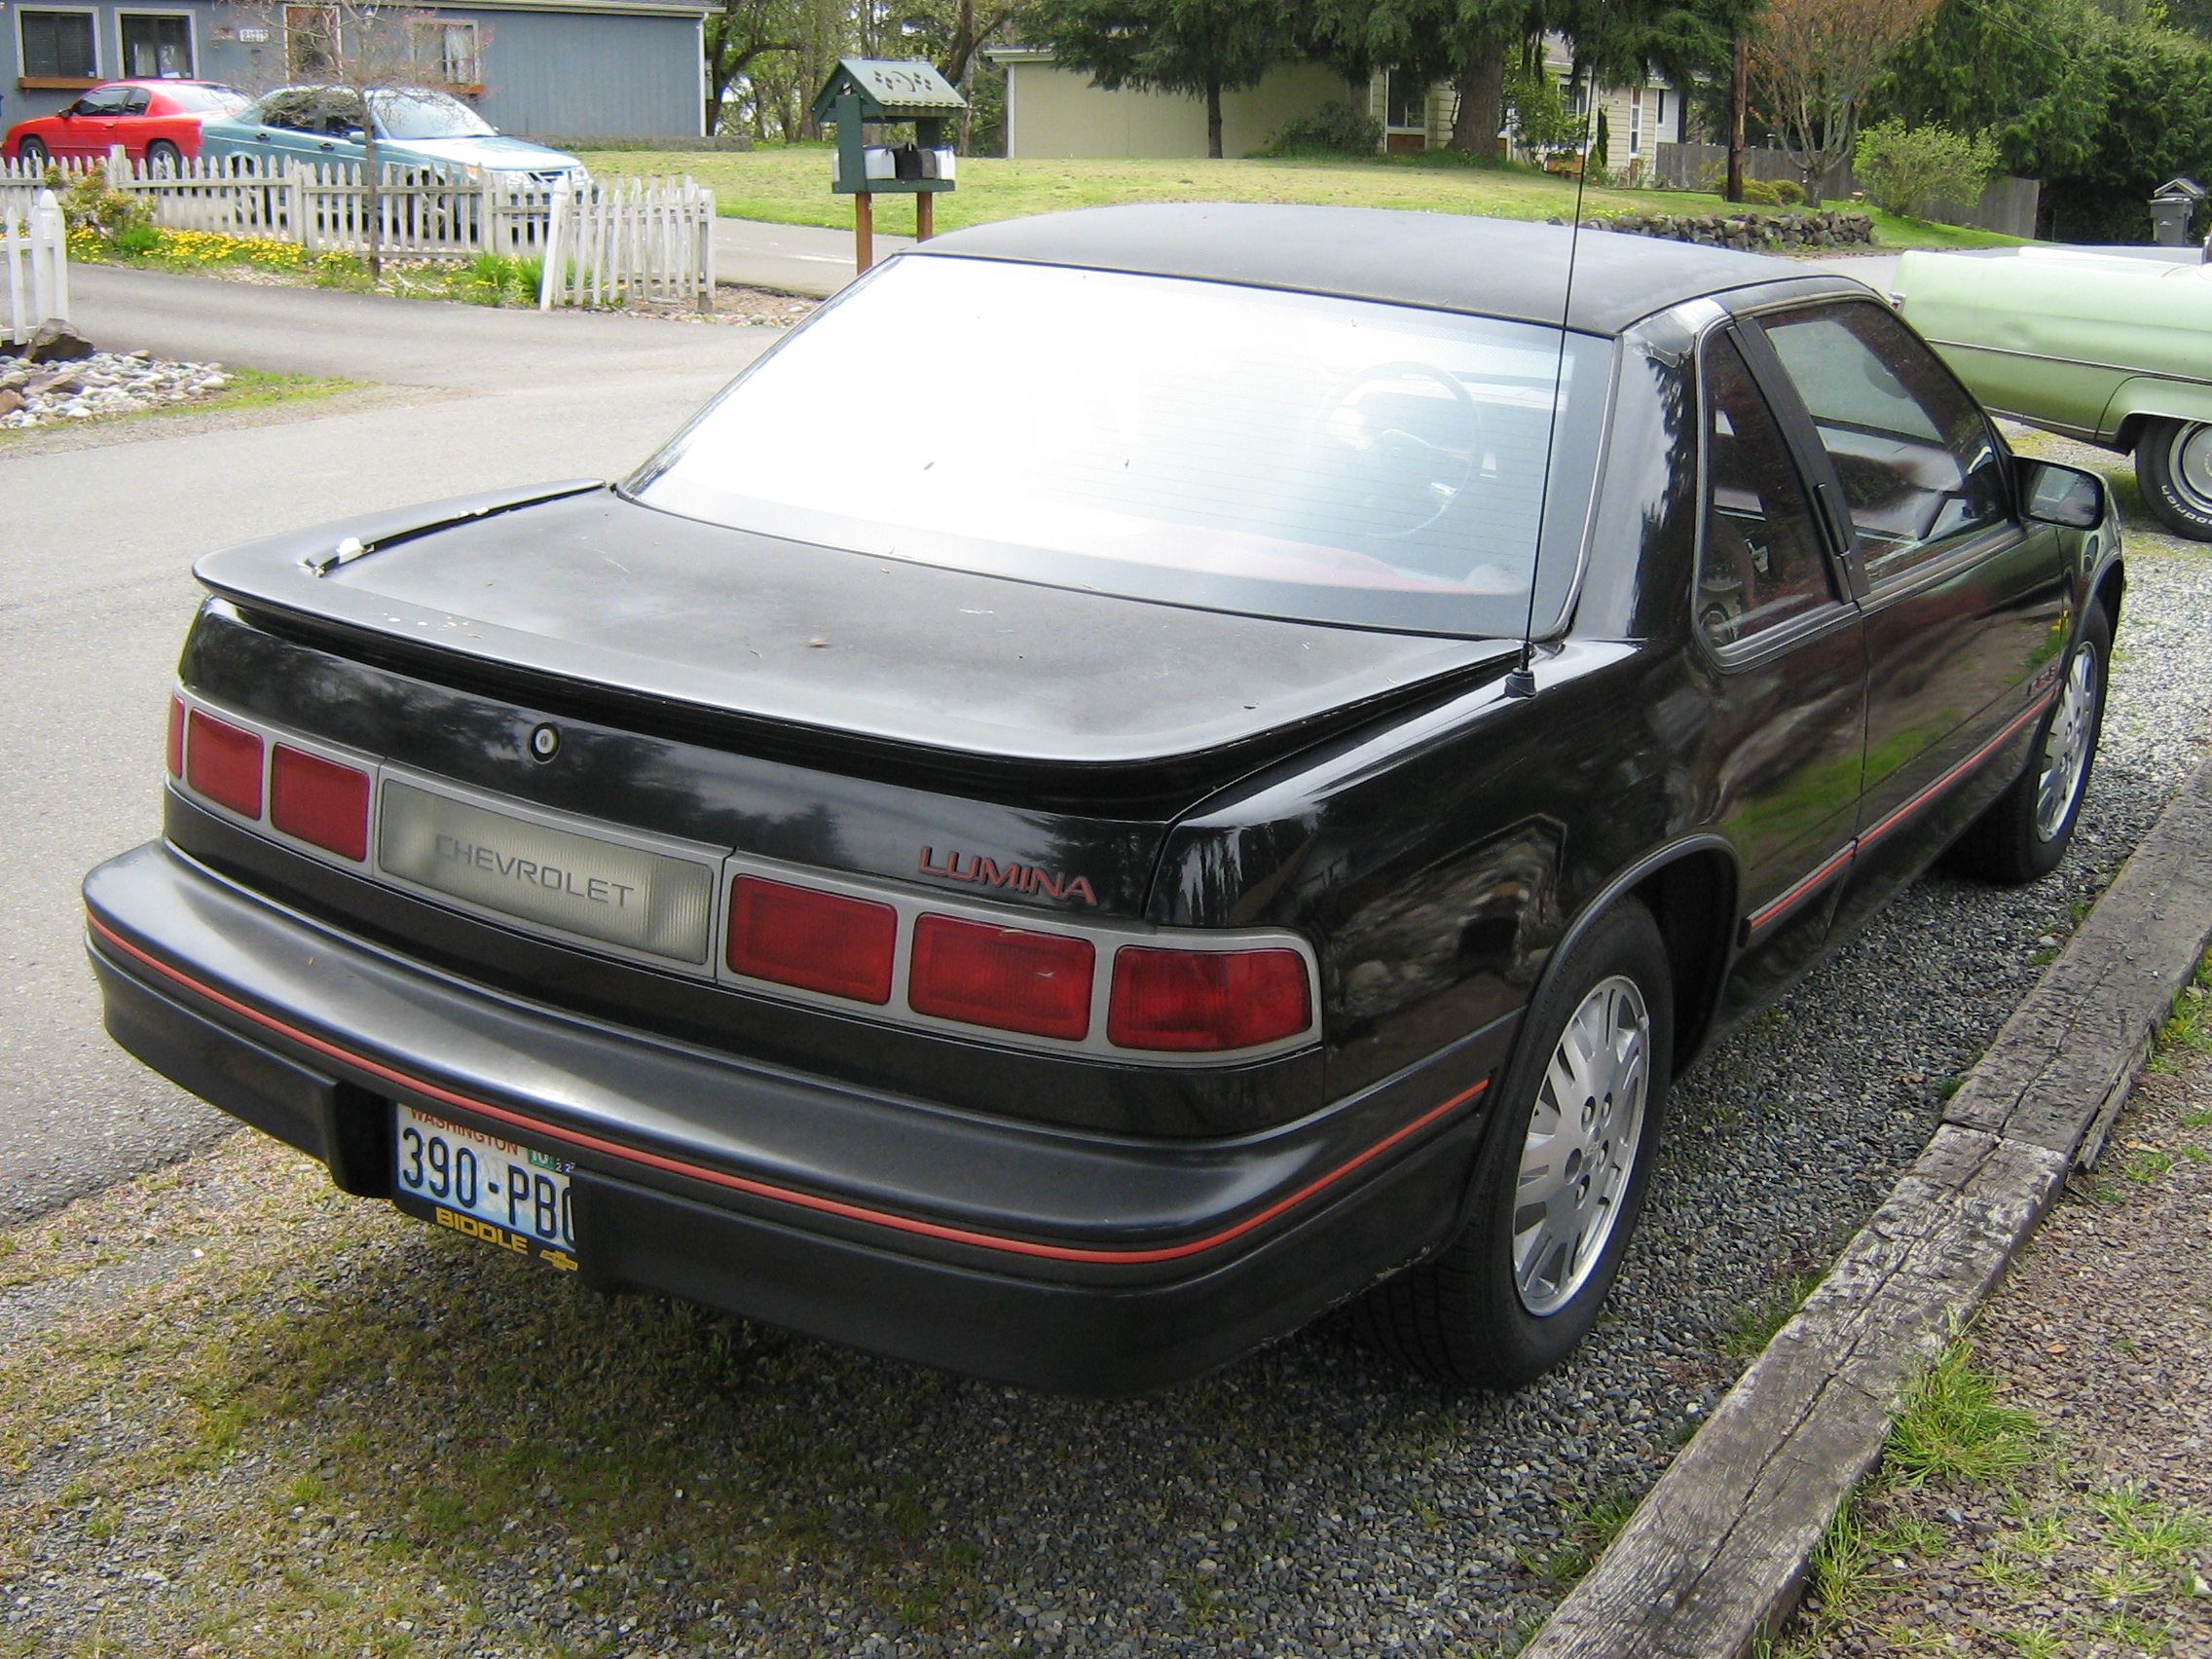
{"x":35,"y":246}
{"x":645,"y":238}
{"x":629,"y":239}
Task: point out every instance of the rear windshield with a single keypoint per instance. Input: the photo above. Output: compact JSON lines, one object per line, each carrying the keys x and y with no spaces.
{"x":1234,"y":448}
{"x":198,"y":99}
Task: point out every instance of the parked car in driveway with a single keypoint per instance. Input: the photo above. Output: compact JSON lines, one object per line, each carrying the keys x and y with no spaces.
{"x":2109,"y":346}
{"x":155,"y":121}
{"x":1065,"y":861}
{"x":417,"y":127}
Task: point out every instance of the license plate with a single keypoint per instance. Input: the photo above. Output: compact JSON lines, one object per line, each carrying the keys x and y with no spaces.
{"x":505,"y":1194}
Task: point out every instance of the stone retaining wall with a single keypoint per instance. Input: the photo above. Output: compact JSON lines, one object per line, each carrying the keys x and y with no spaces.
{"x":1752,"y":231}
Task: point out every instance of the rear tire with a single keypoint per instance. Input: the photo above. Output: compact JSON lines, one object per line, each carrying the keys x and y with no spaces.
{"x":31,"y":151}
{"x":1560,"y":1181}
{"x":163,"y":156}
{"x":2173,"y":463}
{"x":2024,"y":833}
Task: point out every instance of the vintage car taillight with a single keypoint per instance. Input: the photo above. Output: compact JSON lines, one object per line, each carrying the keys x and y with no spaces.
{"x":1206,"y":999}
{"x":818,"y":941}
{"x":1007,"y":977}
{"x":223,"y":764}
{"x":176,"y":737}
{"x":320,"y":802}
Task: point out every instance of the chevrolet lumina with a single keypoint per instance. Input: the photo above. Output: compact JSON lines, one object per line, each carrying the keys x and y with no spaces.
{"x":1147,"y":773}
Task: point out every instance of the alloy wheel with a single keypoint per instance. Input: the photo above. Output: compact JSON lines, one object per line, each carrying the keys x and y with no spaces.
{"x":2066,"y":748}
{"x":1581,"y":1144}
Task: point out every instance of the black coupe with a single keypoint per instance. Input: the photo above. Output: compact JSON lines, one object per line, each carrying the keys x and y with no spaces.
{"x":1146,"y":773}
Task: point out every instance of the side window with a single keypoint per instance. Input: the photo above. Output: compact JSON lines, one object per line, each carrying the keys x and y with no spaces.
{"x":1762,"y":563}
{"x":134,"y":102}
{"x":108,"y":100}
{"x":1917,"y":462}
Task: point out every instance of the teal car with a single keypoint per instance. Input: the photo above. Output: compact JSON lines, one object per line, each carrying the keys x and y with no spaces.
{"x":2109,"y":346}
{"x":417,"y":127}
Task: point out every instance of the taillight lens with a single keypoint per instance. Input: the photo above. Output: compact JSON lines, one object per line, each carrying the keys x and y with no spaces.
{"x":176,"y":737}
{"x":818,"y":941}
{"x":224,"y":763}
{"x":1007,"y":977}
{"x":1196,"y":1000}
{"x":320,"y":802}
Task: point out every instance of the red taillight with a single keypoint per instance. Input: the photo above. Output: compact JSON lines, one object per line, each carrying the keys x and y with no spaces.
{"x":176,"y":737}
{"x":319,"y":800}
{"x":818,"y":941}
{"x":224,"y":764}
{"x":1206,"y":999}
{"x":1007,"y":977}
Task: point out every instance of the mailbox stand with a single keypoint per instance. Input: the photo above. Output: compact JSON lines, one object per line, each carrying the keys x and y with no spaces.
{"x":879,"y":90}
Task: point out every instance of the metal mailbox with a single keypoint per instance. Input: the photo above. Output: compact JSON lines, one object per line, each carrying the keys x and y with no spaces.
{"x":880,"y":90}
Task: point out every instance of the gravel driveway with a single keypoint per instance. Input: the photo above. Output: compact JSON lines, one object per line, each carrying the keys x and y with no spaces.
{"x":337,"y":1430}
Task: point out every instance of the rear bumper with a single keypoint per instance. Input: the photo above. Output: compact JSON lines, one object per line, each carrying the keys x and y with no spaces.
{"x":1082,"y":1264}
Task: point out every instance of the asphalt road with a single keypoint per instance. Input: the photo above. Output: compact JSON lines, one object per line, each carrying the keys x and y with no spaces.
{"x":793,"y":259}
{"x":95,"y":551}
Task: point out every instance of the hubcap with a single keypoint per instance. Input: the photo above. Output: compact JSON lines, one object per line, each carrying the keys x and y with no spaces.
{"x":2066,"y":748}
{"x":2191,"y":466}
{"x":1583,"y":1133}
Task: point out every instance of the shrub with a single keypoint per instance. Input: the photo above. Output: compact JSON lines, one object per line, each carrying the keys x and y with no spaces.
{"x":1912,"y":171}
{"x":1541,"y":119}
{"x":1774,"y":192}
{"x":110,"y":219}
{"x":1339,"y":128}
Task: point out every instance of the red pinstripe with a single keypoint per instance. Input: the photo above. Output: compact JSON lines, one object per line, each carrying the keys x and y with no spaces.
{"x":1760,"y":917}
{"x":762,"y":1189}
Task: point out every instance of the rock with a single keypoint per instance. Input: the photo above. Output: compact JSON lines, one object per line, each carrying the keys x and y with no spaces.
{"x":10,"y":401}
{"x":57,"y":342}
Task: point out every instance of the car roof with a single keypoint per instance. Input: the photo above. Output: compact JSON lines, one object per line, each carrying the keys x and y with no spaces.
{"x":1505,"y":267}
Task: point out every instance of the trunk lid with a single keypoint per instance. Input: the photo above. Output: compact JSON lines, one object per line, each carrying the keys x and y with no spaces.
{"x":828,"y":708}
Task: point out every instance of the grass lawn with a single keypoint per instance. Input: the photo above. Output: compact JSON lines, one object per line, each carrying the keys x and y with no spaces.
{"x":790,"y":186}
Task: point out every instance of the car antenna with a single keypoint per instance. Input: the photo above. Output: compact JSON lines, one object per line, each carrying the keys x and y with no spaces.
{"x":1522,"y":680}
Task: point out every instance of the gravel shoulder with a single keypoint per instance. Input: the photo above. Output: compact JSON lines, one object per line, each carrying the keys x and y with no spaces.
{"x":335,"y":1429}
{"x":2091,"y":1533}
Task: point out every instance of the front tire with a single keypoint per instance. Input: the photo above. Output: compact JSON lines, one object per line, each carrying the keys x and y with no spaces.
{"x":1560,"y":1181}
{"x":2024,"y":833}
{"x":33,"y":153}
{"x":2173,"y":463}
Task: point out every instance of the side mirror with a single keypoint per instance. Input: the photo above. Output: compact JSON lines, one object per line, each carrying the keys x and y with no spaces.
{"x":356,"y":134}
{"x":2061,"y":494}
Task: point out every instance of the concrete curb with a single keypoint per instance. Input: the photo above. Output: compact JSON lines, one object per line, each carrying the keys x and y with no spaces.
{"x":1714,"y":1558}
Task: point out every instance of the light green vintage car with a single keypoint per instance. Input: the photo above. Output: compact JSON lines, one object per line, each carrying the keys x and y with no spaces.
{"x":2111,"y":346}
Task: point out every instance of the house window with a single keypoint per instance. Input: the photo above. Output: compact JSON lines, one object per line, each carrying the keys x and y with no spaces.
{"x":310,"y":41}
{"x":1407,"y":106}
{"x":59,"y":45}
{"x":455,"y":57}
{"x":156,"y":46}
{"x":1635,"y":120}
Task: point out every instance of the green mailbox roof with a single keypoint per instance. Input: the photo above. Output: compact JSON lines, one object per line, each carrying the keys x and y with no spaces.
{"x":890,"y":90}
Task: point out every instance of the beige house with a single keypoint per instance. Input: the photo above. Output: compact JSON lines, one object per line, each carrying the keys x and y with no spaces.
{"x":1054,"y":113}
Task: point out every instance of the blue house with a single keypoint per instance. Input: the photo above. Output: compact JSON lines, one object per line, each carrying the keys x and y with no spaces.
{"x":567,"y":68}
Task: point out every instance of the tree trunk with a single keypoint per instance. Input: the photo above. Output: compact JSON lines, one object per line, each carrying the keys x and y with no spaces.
{"x":1738,"y":98}
{"x":1482,"y":102}
{"x":1213,"y":117}
{"x":713,"y":112}
{"x":372,"y":195}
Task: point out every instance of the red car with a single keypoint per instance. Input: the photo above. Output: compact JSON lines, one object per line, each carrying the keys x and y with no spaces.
{"x":155,"y":121}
